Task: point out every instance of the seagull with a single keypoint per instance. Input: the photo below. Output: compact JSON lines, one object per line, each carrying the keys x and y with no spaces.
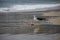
{"x":35,"y":18}
{"x":38,"y":28}
{"x":38,"y":18}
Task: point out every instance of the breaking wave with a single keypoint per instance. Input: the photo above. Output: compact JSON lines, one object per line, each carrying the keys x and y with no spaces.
{"x":27,"y":7}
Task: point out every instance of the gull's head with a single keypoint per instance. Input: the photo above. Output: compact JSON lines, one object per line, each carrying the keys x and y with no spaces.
{"x":34,"y":16}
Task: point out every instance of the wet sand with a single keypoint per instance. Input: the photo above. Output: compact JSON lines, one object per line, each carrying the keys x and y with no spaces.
{"x":14,"y":22}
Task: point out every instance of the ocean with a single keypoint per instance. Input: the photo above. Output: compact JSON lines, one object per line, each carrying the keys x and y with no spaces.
{"x":27,"y":5}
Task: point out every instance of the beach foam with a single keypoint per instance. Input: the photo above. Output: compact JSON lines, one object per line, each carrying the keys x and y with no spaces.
{"x":27,"y":7}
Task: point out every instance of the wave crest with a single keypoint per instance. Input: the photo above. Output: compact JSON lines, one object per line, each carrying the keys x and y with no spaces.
{"x":30,"y":7}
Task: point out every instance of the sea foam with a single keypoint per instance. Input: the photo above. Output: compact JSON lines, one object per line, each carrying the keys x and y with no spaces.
{"x":27,"y":7}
